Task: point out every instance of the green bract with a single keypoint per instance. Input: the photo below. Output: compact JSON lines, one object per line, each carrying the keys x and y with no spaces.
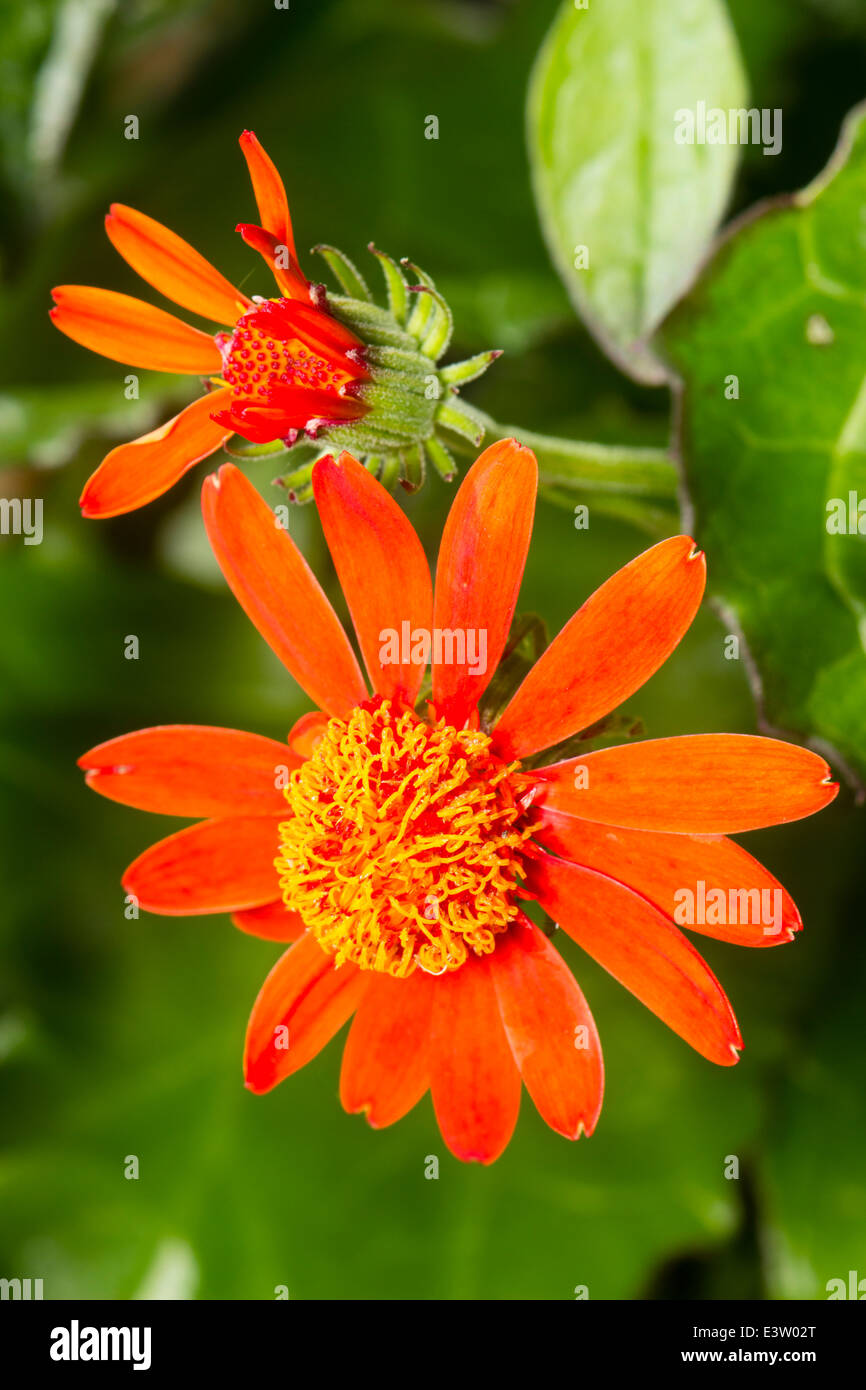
{"x":411,"y":400}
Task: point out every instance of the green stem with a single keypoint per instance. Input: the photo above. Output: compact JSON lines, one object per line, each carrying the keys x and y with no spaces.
{"x":634,"y":484}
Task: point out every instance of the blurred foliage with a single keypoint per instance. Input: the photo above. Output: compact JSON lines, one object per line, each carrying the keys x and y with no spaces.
{"x":124,"y":1037}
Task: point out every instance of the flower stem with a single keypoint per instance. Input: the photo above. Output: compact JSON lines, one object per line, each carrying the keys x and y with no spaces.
{"x":633,"y":484}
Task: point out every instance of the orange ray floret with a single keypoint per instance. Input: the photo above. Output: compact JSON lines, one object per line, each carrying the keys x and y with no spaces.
{"x":381,"y":566}
{"x":397,"y":847}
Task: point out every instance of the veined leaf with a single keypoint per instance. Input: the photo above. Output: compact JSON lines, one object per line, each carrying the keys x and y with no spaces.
{"x":770,"y":346}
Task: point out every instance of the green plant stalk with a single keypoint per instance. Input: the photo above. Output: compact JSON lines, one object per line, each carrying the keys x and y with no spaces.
{"x":635,"y":484}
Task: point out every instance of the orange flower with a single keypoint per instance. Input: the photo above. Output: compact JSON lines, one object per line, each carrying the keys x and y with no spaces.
{"x":397,"y":852}
{"x":304,"y":366}
{"x":286,"y":366}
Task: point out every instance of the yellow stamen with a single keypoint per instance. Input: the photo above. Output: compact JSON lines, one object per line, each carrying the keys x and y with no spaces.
{"x":402,"y":850}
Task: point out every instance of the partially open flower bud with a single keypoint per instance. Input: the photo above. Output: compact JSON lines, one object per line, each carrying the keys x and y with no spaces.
{"x":303,"y":368}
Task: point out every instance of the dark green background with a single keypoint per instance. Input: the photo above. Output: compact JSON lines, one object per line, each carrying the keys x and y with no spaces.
{"x":121,"y":1037}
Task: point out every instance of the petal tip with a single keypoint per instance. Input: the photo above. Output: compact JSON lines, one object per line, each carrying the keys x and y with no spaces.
{"x":89,"y":509}
{"x":214,"y":482}
{"x":325,"y":466}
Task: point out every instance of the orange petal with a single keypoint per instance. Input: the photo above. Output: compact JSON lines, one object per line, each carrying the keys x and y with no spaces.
{"x":481,"y":561}
{"x":612,"y":645}
{"x":269,"y":192}
{"x":386,"y":1067}
{"x":702,"y":784}
{"x":192,"y":770}
{"x":550,"y":1029}
{"x":278,"y":591}
{"x":474,"y":1079}
{"x":302,"y":1004}
{"x":382,"y":570}
{"x":306,"y":733}
{"x":136,"y":473}
{"x":273,"y":922}
{"x":660,"y":866}
{"x":290,"y":279}
{"x":215,"y":866}
{"x":130,"y":331}
{"x":172,"y":266}
{"x":640,"y":948}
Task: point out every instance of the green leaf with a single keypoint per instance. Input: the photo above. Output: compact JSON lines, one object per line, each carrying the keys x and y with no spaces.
{"x":780,"y":316}
{"x":610,"y":179}
{"x":45,"y":426}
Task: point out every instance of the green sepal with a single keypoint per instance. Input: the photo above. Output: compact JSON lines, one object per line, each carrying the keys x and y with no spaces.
{"x":471,"y":367}
{"x":390,"y":471}
{"x":413,"y":467}
{"x":422,"y":309}
{"x":360,"y":438}
{"x":398,"y":296}
{"x":432,"y":324}
{"x":398,"y":360}
{"x":255,"y":451}
{"x":302,"y":494}
{"x":374,"y":463}
{"x":345,"y":271}
{"x":298,"y":480}
{"x":371,"y":323}
{"x":456,"y":416}
{"x":440,"y":459}
{"x":407,"y":414}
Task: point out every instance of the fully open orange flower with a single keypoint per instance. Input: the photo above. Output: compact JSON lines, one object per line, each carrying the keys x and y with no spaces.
{"x":398,"y":851}
{"x":284,"y":366}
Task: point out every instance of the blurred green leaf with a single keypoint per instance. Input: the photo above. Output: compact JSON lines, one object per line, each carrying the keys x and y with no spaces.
{"x":627,"y":212}
{"x":816,"y":1191}
{"x":514,"y":311}
{"x":773,"y":424}
{"x":287,"y":1190}
{"x":46,"y":425}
